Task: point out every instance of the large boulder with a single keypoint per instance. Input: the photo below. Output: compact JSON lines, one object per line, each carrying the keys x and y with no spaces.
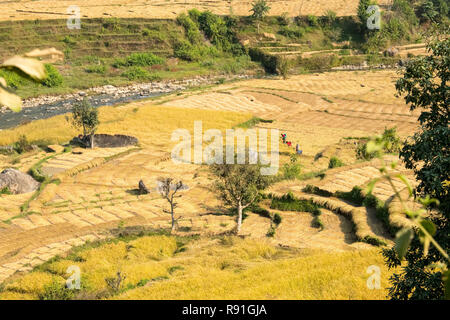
{"x":105,"y":141}
{"x":17,"y":182}
{"x":391,"y":52}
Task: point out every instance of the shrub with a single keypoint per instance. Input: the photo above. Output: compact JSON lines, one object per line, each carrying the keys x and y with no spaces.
{"x":143,"y":59}
{"x":319,"y":62}
{"x":313,"y":21}
{"x":390,"y":141}
{"x":271,"y":231}
{"x":317,"y":223}
{"x":13,"y":79}
{"x":190,"y":27}
{"x":277,"y":219}
{"x":289,"y":203}
{"x":54,"y":78}
{"x":186,"y":51}
{"x":292,"y":32}
{"x":355,"y":195}
{"x":268,"y":61}
{"x":136,"y":73}
{"x":216,"y":30}
{"x":56,"y":291}
{"x":22,"y":145}
{"x":100,"y":69}
{"x":69,"y":40}
{"x":260,"y":211}
{"x":316,"y":190}
{"x":335,"y":163}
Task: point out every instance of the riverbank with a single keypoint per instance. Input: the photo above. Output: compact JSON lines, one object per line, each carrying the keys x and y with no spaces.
{"x":48,"y":106}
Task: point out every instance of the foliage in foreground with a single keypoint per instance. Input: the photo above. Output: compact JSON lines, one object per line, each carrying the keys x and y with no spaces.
{"x":426,"y":276}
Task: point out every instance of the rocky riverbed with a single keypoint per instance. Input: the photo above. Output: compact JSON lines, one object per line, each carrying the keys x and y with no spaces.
{"x":47,"y":106}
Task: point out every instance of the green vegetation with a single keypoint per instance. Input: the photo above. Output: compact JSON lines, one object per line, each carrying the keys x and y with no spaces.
{"x":22,"y":145}
{"x":389,"y":141}
{"x":288,"y":202}
{"x":335,"y":162}
{"x":85,"y":116}
{"x":253,"y":122}
{"x":54,"y":78}
{"x":425,"y":86}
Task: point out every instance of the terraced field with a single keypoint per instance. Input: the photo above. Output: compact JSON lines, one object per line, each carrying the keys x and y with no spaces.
{"x":45,"y":9}
{"x":96,"y":190}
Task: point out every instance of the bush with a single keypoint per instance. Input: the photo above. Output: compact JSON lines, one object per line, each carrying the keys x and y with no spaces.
{"x":138,"y":59}
{"x":191,"y":28}
{"x":54,"y":78}
{"x":22,"y":145}
{"x":143,"y":59}
{"x":56,"y":291}
{"x":292,"y":32}
{"x":335,"y":163}
{"x":355,"y":195}
{"x":390,"y":141}
{"x":138,"y":73}
{"x":313,"y":21}
{"x":271,"y":231}
{"x":13,"y":79}
{"x":260,"y":211}
{"x":317,"y":223}
{"x":186,"y":51}
{"x":316,"y":190}
{"x":319,"y":62}
{"x":96,"y":68}
{"x":277,"y":219}
{"x":269,"y":62}
{"x":289,"y":203}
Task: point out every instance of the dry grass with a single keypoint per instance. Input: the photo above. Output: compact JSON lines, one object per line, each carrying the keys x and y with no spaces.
{"x":227,"y":268}
{"x":152,"y":125}
{"x":169,"y":9}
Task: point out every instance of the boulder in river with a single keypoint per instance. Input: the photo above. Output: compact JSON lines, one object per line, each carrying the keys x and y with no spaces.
{"x":17,"y":182}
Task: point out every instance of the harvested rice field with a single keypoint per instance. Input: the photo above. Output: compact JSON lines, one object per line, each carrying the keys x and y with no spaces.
{"x":94,"y":197}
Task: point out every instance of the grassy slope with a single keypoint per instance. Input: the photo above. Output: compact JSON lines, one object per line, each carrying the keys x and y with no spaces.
{"x":99,"y":43}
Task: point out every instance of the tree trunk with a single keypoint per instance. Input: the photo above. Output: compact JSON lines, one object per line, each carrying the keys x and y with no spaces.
{"x":239,"y":220}
{"x":92,"y":141}
{"x":173,"y":219}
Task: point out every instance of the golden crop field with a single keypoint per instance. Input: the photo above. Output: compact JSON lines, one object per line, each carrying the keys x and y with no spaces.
{"x":95,"y":192}
{"x":231,"y":268}
{"x":168,"y":9}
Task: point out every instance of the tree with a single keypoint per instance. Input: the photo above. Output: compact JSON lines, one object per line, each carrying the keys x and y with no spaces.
{"x":425,"y":86}
{"x":260,"y":8}
{"x":25,"y":65}
{"x":239,"y":186}
{"x":362,"y":13}
{"x":168,"y":191}
{"x":85,"y":116}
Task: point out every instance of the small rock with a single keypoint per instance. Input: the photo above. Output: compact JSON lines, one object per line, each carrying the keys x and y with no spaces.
{"x":142,"y":188}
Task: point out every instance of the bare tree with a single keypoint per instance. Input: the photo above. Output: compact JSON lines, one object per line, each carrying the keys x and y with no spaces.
{"x":168,"y":191}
